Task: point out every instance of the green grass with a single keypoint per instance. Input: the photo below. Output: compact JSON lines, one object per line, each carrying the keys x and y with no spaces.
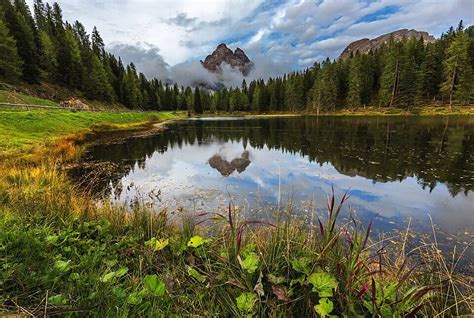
{"x":19,"y":98}
{"x":427,"y":110}
{"x":23,"y":128}
{"x":60,"y":253}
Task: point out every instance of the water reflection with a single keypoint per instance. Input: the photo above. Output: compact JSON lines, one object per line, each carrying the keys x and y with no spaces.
{"x":395,"y":167}
{"x":226,"y":168}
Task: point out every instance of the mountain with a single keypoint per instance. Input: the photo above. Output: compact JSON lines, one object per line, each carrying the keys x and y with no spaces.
{"x":365,"y":45}
{"x":222,"y":54}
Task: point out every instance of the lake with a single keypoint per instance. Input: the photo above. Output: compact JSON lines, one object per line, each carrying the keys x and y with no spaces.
{"x":394,"y":168}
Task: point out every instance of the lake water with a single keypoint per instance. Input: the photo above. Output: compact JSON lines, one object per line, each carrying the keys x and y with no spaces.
{"x":396,"y":168}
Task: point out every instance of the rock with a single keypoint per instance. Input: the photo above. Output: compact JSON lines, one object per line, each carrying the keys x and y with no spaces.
{"x":365,"y":45}
{"x":222,"y":54}
{"x":75,"y":103}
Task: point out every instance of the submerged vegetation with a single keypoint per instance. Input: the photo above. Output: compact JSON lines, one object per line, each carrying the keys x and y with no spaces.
{"x":61,"y":253}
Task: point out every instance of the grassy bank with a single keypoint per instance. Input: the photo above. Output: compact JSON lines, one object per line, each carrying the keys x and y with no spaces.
{"x":427,"y":110}
{"x":63,"y":254}
{"x":22,"y":131}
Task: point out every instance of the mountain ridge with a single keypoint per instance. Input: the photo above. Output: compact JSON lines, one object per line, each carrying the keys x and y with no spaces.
{"x":365,"y":45}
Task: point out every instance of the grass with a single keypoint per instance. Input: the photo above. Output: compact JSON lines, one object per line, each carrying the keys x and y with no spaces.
{"x":61,"y":253}
{"x":426,"y":110}
{"x":19,"y":129}
{"x":20,"y":98}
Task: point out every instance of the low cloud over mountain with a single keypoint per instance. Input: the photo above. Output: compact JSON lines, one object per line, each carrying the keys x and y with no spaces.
{"x":149,"y":61}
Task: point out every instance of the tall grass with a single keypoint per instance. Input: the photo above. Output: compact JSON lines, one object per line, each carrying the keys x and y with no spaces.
{"x":62,"y":253}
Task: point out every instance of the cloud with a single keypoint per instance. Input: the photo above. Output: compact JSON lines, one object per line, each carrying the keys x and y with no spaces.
{"x":149,"y":61}
{"x":291,"y":32}
{"x":145,"y":56}
{"x":181,"y":19}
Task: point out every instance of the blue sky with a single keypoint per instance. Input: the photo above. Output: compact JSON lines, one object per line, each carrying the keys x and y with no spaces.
{"x":280,"y":35}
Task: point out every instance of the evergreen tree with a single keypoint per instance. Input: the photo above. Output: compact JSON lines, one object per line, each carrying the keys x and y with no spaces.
{"x":131,"y":90}
{"x":430,"y":73}
{"x":390,"y":77}
{"x":457,"y":69}
{"x":97,"y":43}
{"x":409,"y":63}
{"x":10,"y":62}
{"x":20,"y":26}
{"x":97,"y":85}
{"x":197,"y":101}
{"x":356,"y":73}
{"x":48,"y":59}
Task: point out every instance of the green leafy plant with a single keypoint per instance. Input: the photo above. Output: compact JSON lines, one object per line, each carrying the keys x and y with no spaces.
{"x":250,"y":262}
{"x":154,"y":285}
{"x":323,"y":284}
{"x":246,"y":303}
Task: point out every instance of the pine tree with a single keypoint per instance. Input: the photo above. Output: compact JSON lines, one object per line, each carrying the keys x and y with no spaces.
{"x":20,"y":26}
{"x":197,"y":101}
{"x":409,"y":60}
{"x":98,"y":45}
{"x":430,"y":73}
{"x":355,"y":81}
{"x":390,"y":77}
{"x":48,"y":59}
{"x":98,"y":86}
{"x":257,"y":99}
{"x":457,"y":69}
{"x":131,"y":89}
{"x":10,"y":62}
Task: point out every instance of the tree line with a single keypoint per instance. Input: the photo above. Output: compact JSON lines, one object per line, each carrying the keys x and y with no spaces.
{"x":42,"y":47}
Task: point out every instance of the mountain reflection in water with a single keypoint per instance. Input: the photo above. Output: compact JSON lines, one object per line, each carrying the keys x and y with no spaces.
{"x":226,"y":168}
{"x":396,"y":167}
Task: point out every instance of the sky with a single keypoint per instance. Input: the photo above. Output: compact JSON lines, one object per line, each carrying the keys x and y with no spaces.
{"x":166,"y":39}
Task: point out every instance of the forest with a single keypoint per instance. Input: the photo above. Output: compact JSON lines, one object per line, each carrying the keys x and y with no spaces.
{"x":42,"y":47}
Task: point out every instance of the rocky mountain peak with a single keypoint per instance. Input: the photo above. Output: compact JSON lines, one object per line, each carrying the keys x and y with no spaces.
{"x":222,"y":54}
{"x":365,"y":45}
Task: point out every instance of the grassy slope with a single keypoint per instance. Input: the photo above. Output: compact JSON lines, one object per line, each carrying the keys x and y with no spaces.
{"x":19,"y":98}
{"x":23,"y":128}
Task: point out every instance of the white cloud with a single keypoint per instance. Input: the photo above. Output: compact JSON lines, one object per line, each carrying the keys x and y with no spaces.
{"x":288,"y":34}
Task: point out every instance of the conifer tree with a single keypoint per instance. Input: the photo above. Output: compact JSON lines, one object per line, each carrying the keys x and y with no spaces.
{"x":97,"y":43}
{"x":430,"y":73}
{"x":97,"y":84}
{"x":20,"y":27}
{"x":355,"y":81}
{"x":10,"y":62}
{"x":48,"y":59}
{"x":390,"y":77}
{"x":197,"y":101}
{"x":456,"y":67}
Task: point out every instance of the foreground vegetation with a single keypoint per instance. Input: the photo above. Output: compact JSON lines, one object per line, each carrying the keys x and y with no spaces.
{"x":63,"y":254}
